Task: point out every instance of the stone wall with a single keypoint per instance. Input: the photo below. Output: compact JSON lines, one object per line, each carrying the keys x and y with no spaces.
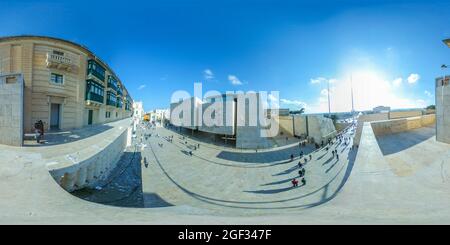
{"x":315,"y":127}
{"x":285,"y":124}
{"x":87,"y":167}
{"x":367,"y":118}
{"x":11,"y":109}
{"x":403,"y":124}
{"x":320,"y":128}
{"x":189,"y":110}
{"x":300,"y":125}
{"x":404,"y":114}
{"x":225,"y":114}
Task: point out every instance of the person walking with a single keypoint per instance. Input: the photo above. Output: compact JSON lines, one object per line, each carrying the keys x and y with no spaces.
{"x":294,"y":182}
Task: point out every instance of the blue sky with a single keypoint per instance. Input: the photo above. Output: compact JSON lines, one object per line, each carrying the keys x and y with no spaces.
{"x":391,"y":49}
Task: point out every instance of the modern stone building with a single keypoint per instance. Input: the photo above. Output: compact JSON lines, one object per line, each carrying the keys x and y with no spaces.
{"x":316,"y":128}
{"x":233,"y":121}
{"x":65,"y":84}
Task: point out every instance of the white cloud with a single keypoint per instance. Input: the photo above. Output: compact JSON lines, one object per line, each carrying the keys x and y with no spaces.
{"x":413,"y":78}
{"x":208,"y":74}
{"x":234,"y":80}
{"x":296,"y":103}
{"x":397,"y":82}
{"x":428,"y":93}
{"x":318,"y":80}
{"x":142,"y":87}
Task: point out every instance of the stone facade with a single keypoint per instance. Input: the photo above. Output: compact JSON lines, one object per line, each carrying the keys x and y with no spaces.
{"x":237,"y":125}
{"x":11,"y":109}
{"x":403,"y":124}
{"x":315,"y":127}
{"x":58,"y":77}
{"x":443,"y":110}
{"x":92,"y":164}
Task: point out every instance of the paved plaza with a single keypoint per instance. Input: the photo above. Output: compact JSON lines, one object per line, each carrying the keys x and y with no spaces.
{"x":240,"y":181}
{"x":221,"y":185}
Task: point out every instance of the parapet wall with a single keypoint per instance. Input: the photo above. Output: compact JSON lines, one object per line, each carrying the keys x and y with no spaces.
{"x":404,"y":114}
{"x":403,"y":124}
{"x":93,"y":163}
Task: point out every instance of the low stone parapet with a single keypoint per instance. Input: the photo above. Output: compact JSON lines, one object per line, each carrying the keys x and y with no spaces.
{"x":96,"y":157}
{"x":403,"y":124}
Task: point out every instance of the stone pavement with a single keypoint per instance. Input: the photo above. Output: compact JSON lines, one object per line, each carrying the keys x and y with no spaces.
{"x":247,"y":183}
{"x":208,"y":189}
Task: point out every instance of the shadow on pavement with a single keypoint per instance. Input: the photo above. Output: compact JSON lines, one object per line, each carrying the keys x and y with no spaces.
{"x":393,"y":143}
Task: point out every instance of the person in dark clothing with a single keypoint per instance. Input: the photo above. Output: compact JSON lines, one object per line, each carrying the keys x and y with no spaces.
{"x":292,"y":157}
{"x":39,"y":128}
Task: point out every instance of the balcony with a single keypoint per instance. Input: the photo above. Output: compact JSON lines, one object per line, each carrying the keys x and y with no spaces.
{"x":111,"y":102}
{"x":112,"y":83}
{"x":96,"y":71}
{"x":119,"y":104}
{"x":92,"y":97}
{"x":59,"y":62}
{"x":94,"y":93}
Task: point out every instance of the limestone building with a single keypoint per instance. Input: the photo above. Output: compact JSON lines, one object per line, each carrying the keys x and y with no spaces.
{"x":234,"y":123}
{"x":138,"y":113}
{"x":65,"y":84}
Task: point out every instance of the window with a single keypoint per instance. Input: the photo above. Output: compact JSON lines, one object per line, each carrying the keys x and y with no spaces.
{"x":56,"y":78}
